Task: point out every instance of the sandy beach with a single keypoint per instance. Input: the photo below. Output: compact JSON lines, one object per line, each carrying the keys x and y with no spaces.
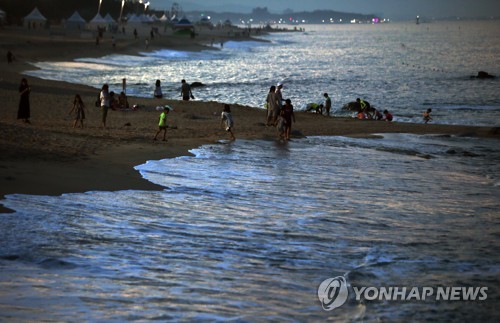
{"x":50,"y":157}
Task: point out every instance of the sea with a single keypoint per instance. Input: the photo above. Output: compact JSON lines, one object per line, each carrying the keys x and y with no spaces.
{"x":253,"y":230}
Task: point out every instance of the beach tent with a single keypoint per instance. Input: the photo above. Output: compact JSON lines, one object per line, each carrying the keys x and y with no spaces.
{"x":184,"y":24}
{"x":76,"y":22}
{"x":35,"y":17}
{"x":145,"y":18}
{"x":134,"y":20}
{"x":164,"y":18}
{"x":2,"y":16}
{"x":98,"y":20}
{"x":109,"y":19}
{"x":205,"y":22}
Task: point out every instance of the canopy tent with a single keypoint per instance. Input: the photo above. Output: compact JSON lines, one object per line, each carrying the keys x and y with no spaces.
{"x":164,"y":18}
{"x":145,"y":18}
{"x":184,"y":24}
{"x":98,"y":20}
{"x":2,"y":16}
{"x":76,"y":22}
{"x":205,"y":21}
{"x":109,"y":19}
{"x":134,"y":19}
{"x":34,"y":17}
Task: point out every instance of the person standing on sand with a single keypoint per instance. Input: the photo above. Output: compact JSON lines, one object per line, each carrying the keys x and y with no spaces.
{"x":186,"y":91}
{"x":328,"y":104}
{"x":273,"y":109}
{"x":157,"y":93}
{"x":78,"y":110}
{"x":288,"y":116}
{"x":162,"y":125}
{"x":105,"y":103}
{"x":10,"y":57}
{"x":227,"y":120}
{"x":279,"y":95}
{"x":24,"y":103}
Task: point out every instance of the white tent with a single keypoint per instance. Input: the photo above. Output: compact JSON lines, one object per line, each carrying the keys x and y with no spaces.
{"x":2,"y":16}
{"x":34,"y":17}
{"x":133,"y":19}
{"x":75,"y":21}
{"x":164,"y":18}
{"x":98,"y":20}
{"x":145,"y":18}
{"x":109,"y":19}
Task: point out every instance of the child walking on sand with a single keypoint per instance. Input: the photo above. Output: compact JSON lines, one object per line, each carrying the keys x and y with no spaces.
{"x":162,"y":125}
{"x":78,"y":110}
{"x":427,"y":115}
{"x":227,"y":120}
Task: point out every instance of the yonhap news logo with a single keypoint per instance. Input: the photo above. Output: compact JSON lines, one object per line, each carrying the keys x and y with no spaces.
{"x":334,"y":292}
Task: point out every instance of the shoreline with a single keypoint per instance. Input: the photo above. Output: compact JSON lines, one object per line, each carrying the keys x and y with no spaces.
{"x":50,"y":157}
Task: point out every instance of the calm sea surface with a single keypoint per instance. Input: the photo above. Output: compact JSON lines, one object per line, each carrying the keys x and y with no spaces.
{"x":247,"y":231}
{"x":405,"y":68}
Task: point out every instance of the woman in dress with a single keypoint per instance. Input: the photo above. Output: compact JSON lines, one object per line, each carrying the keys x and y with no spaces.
{"x":24,"y":103}
{"x":157,"y":93}
{"x":78,"y":110}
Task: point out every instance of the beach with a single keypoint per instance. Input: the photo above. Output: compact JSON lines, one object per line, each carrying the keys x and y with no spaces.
{"x":108,"y":224}
{"x":50,"y":157}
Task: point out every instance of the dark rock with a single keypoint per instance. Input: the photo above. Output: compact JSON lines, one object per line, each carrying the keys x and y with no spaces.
{"x":483,"y":75}
{"x":197,"y":84}
{"x":495,"y":131}
{"x":469,"y":154}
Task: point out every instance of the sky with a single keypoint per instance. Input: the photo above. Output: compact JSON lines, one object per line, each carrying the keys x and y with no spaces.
{"x":395,"y":9}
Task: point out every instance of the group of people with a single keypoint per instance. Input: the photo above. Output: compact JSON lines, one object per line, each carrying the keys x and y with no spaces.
{"x":186,"y":92}
{"x":318,"y":107}
{"x":279,"y":112}
{"x":107,"y":100}
{"x":367,"y":112}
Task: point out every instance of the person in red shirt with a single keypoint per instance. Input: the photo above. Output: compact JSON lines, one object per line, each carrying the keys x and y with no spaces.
{"x":387,"y":116}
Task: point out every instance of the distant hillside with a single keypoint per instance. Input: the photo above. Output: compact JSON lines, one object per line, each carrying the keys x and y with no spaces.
{"x":262,"y":16}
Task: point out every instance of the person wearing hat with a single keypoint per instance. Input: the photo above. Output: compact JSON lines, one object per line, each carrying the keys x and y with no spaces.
{"x":162,"y":125}
{"x":279,"y":96}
